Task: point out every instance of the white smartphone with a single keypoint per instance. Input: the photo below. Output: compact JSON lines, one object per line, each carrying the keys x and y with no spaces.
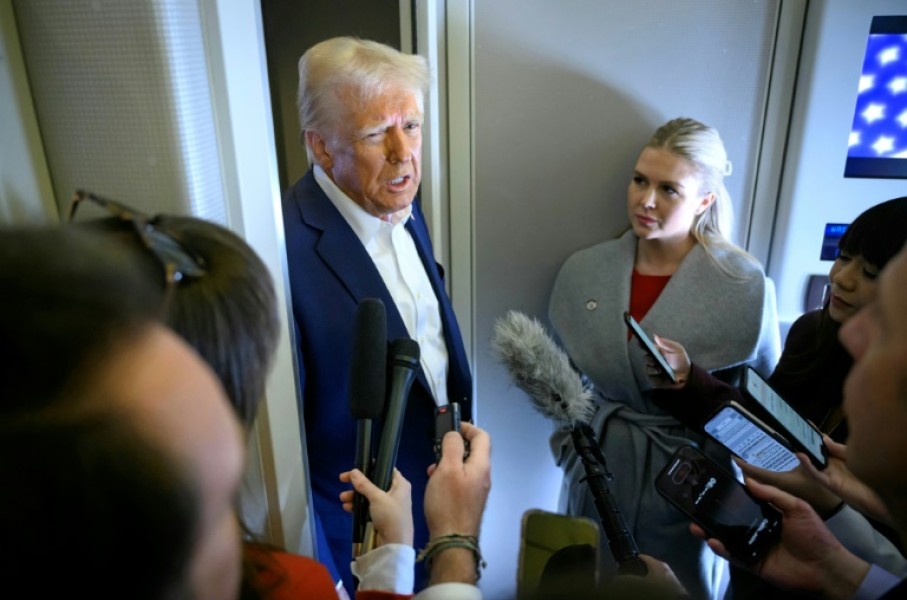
{"x":804,"y":436}
{"x":650,"y":347}
{"x":745,"y":436}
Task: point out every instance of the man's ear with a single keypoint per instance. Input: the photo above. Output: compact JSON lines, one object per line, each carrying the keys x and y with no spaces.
{"x":319,"y":149}
{"x":705,"y":203}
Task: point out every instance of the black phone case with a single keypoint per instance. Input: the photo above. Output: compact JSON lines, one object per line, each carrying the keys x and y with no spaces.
{"x":447,"y":418}
{"x":714,"y":499}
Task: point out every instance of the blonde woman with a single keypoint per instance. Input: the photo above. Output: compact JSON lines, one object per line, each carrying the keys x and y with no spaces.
{"x":676,"y":271}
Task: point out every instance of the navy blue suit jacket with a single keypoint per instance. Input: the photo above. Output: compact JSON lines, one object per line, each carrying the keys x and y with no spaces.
{"x":330,"y":272}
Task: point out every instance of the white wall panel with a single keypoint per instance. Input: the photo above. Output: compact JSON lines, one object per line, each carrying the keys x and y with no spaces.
{"x":564,"y":95}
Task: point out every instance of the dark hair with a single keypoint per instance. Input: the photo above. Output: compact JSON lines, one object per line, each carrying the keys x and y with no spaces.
{"x":89,"y":503}
{"x":229,"y":314}
{"x":90,"y":506}
{"x":878,"y":233}
{"x":66,"y":298}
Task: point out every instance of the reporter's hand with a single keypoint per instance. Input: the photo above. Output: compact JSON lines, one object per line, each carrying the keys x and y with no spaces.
{"x":676,"y":356}
{"x":662,"y":574}
{"x":659,"y":583}
{"x":807,"y":557}
{"x":840,"y":481}
{"x":391,"y":511}
{"x":455,"y":500}
{"x":458,"y":489}
{"x":797,"y":482}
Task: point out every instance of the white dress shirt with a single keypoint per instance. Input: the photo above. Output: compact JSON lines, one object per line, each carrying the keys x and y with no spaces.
{"x":394,"y":253}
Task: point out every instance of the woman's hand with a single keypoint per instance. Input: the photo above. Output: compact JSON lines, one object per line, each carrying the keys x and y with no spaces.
{"x":391,"y":511}
{"x":677,"y":357}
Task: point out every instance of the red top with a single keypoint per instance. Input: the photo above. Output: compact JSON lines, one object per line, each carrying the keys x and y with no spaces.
{"x":644,"y":291}
{"x":285,"y":576}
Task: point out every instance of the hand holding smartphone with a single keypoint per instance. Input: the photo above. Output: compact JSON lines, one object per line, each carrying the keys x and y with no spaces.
{"x":650,"y":347}
{"x":800,"y":432}
{"x":711,"y":497}
{"x":447,"y":418}
{"x":746,"y":436}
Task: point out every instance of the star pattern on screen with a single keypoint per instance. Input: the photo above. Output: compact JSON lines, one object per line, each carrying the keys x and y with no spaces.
{"x":880,"y":119}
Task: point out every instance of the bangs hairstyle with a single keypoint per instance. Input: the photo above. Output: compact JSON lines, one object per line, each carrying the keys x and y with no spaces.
{"x":878,"y":233}
{"x":345,"y":65}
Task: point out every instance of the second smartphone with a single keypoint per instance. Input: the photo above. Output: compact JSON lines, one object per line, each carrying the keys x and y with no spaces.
{"x":713,"y":498}
{"x":785,"y":419}
{"x":746,"y":436}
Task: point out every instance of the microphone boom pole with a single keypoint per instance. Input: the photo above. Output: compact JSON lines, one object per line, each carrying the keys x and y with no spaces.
{"x":544,"y":371}
{"x":620,"y":540}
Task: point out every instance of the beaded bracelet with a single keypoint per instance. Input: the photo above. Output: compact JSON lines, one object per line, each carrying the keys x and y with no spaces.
{"x":453,"y":540}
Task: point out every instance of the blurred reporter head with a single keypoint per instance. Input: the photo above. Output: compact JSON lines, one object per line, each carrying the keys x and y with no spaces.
{"x":875,"y":392}
{"x":114,"y":487}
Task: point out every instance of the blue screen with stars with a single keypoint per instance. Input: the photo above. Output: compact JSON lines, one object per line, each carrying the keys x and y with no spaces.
{"x":877,"y":146}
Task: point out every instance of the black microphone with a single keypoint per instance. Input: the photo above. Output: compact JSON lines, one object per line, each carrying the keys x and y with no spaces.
{"x":403,"y":364}
{"x":541,"y":369}
{"x":368,"y":370}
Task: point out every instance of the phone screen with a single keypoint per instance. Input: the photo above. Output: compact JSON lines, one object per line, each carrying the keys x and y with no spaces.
{"x":649,"y":346}
{"x":720,"y":504}
{"x":795,"y":426}
{"x":738,"y":431}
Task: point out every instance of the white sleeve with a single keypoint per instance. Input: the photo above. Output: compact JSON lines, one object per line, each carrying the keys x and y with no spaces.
{"x":450,"y":591}
{"x":860,"y":537}
{"x":387,"y":568}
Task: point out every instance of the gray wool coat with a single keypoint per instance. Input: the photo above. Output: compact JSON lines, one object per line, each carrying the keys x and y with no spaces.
{"x":724,"y":322}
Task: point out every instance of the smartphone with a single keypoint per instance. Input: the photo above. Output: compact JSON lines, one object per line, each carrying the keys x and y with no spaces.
{"x":447,"y":418}
{"x":746,"y":436}
{"x":721,"y":505}
{"x":804,"y":436}
{"x":557,"y":554}
{"x":649,"y":346}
